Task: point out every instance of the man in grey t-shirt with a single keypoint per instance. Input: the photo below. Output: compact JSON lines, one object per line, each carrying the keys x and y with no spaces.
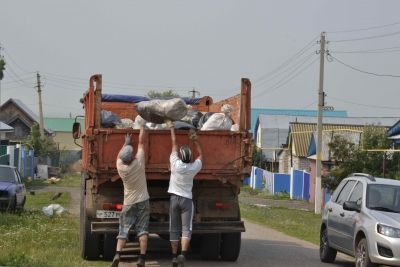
{"x":180,"y":188}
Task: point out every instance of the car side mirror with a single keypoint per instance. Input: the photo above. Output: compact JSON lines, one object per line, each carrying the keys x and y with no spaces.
{"x":351,"y":206}
{"x":76,"y":130}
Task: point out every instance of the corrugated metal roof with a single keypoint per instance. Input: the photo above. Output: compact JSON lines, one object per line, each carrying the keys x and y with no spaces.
{"x":62,"y":124}
{"x":302,"y":132}
{"x":256,"y":112}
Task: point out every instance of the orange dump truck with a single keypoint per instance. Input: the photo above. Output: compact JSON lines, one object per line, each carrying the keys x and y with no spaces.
{"x":217,"y":225}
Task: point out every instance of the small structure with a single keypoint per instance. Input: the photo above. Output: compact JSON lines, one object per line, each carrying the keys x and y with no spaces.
{"x":4,"y":128}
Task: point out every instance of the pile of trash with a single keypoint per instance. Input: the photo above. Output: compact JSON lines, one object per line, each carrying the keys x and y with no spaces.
{"x":154,"y":113}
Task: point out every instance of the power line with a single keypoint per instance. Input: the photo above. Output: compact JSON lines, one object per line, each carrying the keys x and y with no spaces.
{"x":289,"y":60}
{"x":378,"y":50}
{"x":363,"y":71}
{"x":277,"y":85}
{"x":365,"y":105}
{"x":366,"y":29}
{"x":366,"y":38}
{"x":289,"y":69}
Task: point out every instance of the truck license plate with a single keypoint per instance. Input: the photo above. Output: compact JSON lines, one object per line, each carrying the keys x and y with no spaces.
{"x":107,"y":214}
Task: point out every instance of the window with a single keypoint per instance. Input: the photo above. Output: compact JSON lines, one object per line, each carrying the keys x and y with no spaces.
{"x":357,"y":194}
{"x":383,"y":197}
{"x":337,"y":190}
{"x":345,"y":192}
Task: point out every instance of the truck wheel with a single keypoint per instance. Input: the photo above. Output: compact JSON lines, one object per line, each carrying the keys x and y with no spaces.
{"x":210,"y":246}
{"x":109,"y":246}
{"x":89,"y":243}
{"x":230,"y":246}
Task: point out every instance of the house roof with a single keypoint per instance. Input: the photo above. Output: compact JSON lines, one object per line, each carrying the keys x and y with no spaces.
{"x":62,"y":124}
{"x":302,"y":132}
{"x":394,"y":130}
{"x":28,"y":112}
{"x":5,"y":128}
{"x":23,"y":107}
{"x":256,"y":112}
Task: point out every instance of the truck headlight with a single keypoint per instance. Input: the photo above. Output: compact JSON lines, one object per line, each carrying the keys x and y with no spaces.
{"x":388,"y":231}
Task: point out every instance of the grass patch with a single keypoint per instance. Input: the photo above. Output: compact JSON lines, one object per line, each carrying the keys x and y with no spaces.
{"x":67,"y":180}
{"x":32,"y":239}
{"x":247,"y":191}
{"x":301,"y":224}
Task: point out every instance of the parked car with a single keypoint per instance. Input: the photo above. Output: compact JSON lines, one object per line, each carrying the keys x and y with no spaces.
{"x":12,"y":189}
{"x":362,"y":219}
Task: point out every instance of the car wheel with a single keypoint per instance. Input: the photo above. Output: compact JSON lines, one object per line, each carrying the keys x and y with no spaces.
{"x":362,"y":254}
{"x":326,"y":253}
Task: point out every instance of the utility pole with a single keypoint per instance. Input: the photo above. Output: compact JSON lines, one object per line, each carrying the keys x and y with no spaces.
{"x":194,"y":93}
{"x":1,"y":70}
{"x":318,"y":193}
{"x":39,"y":90}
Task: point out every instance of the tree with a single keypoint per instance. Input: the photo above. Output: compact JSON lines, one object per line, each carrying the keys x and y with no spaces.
{"x":258,"y":157}
{"x":165,"y":94}
{"x":2,"y":68}
{"x":348,"y":157}
{"x":43,"y":147}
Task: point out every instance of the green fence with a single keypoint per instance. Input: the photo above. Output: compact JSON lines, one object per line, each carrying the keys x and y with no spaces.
{"x":3,"y":150}
{"x":5,"y":160}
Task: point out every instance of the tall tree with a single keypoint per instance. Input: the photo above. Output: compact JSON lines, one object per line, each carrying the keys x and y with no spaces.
{"x":348,"y":157}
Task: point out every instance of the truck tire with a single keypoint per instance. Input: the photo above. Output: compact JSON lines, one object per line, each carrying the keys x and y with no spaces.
{"x":109,"y":246}
{"x":89,"y":243}
{"x":210,"y":246}
{"x":230,"y":246}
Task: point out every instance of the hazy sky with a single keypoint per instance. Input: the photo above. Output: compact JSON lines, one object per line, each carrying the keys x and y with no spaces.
{"x":208,"y":45}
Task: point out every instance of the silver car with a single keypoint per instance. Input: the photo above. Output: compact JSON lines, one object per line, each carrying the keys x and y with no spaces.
{"x":362,"y":219}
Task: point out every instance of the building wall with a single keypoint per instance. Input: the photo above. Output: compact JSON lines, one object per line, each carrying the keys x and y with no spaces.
{"x":65,"y":141}
{"x":284,"y":162}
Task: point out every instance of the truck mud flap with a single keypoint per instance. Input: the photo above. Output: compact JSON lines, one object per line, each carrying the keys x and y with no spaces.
{"x":163,"y":227}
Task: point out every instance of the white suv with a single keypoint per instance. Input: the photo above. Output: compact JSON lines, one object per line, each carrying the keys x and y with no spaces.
{"x":363,"y":220}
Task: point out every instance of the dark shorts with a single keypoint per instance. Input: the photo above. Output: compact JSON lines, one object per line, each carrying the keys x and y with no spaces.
{"x":180,"y":218}
{"x":137,"y":216}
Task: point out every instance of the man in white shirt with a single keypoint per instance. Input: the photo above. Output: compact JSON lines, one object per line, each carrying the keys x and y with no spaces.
{"x":136,"y":209}
{"x":180,"y":188}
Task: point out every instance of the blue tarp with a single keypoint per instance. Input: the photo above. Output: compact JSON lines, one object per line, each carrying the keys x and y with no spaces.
{"x":136,"y":99}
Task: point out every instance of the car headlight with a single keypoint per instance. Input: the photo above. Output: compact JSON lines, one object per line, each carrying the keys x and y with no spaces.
{"x":388,"y":231}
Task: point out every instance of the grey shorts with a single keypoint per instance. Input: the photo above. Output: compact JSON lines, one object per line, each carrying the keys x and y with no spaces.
{"x":137,"y":216}
{"x":180,"y":217}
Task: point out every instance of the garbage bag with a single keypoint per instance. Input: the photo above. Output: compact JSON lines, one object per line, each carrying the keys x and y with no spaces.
{"x":217,"y":121}
{"x":203,"y":119}
{"x":155,"y":126}
{"x":181,"y":125}
{"x":139,"y":121}
{"x":52,"y":209}
{"x":158,"y":111}
{"x":109,"y":119}
{"x":192,"y":117}
{"x":235,"y":128}
{"x":125,"y":124}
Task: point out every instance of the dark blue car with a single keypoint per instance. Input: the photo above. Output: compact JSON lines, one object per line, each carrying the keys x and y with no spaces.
{"x":12,"y":190}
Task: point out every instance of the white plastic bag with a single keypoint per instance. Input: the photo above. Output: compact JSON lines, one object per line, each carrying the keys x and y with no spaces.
{"x":139,"y":121}
{"x":217,"y":121}
{"x":52,"y":209}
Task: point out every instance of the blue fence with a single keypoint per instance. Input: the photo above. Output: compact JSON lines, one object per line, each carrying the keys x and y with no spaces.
{"x":297,"y":183}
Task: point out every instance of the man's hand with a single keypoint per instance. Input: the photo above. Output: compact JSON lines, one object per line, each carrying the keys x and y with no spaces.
{"x":193,"y":136}
{"x":128,"y":139}
{"x":169,"y":124}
